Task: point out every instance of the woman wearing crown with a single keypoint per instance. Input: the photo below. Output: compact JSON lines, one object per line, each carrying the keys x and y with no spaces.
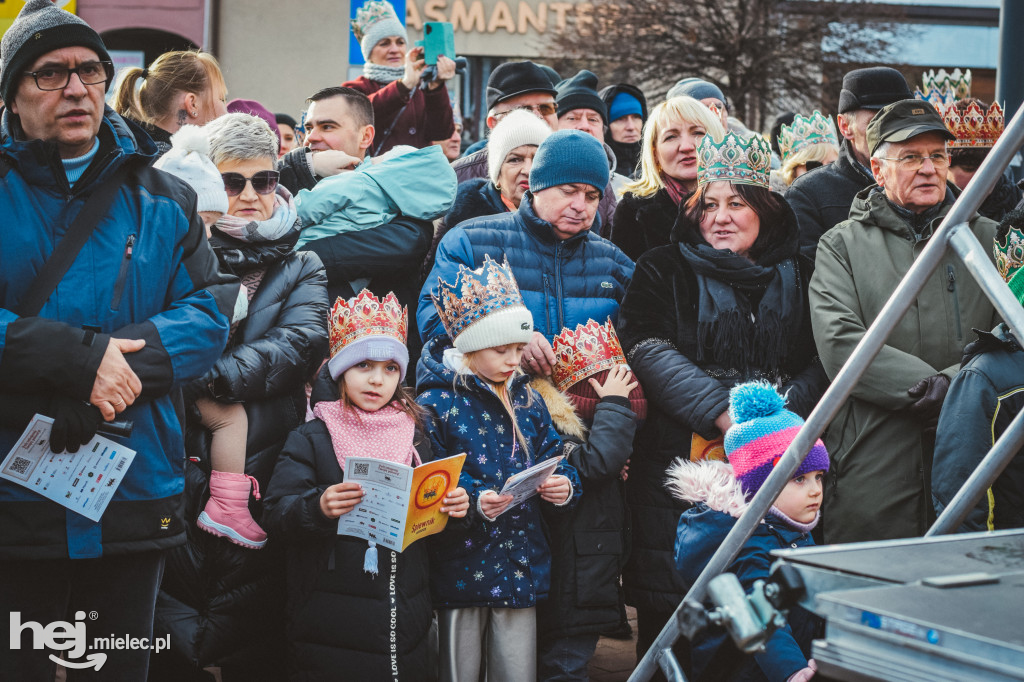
{"x":724,"y":303}
{"x":807,"y":143}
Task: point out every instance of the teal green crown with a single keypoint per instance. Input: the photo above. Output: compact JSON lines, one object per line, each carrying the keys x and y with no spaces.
{"x":806,"y":132}
{"x":736,"y":159}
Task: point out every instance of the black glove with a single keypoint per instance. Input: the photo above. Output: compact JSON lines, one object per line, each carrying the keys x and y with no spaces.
{"x":929,"y":393}
{"x":74,"y":423}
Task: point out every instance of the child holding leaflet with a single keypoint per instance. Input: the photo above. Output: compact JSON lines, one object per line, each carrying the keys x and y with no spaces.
{"x":343,"y":619}
{"x":488,"y":573}
{"x":761,"y":431}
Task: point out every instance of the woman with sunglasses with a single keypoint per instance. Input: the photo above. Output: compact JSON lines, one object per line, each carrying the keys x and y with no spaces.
{"x":218,"y":596}
{"x":406,"y":110}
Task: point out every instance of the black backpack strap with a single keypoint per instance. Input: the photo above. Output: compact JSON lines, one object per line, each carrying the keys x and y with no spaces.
{"x":57,"y":265}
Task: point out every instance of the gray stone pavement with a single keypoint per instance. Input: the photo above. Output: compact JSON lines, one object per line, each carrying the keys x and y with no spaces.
{"x":615,"y":659}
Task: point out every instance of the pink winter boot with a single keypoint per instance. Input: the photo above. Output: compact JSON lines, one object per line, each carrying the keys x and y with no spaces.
{"x":227,"y":511}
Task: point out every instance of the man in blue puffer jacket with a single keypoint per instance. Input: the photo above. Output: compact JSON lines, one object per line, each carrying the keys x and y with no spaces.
{"x":140,"y":310}
{"x":567,"y":274}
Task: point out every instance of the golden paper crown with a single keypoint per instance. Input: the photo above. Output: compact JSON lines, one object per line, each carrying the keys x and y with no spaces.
{"x":806,"y":132}
{"x":974,"y":128}
{"x":475,"y":294}
{"x":582,"y":353}
{"x":366,"y":315}
{"x":739,"y":160}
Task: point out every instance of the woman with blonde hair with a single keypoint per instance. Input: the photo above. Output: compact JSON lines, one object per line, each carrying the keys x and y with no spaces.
{"x":178,"y":88}
{"x":807,"y":143}
{"x":668,"y":174}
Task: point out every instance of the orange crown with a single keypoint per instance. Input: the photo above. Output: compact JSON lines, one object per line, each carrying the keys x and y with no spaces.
{"x":583,"y":353}
{"x":366,"y":315}
{"x":974,"y":128}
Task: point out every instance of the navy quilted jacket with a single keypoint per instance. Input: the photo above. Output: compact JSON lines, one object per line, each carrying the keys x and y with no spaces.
{"x":503,"y":563}
{"x":563,"y":282}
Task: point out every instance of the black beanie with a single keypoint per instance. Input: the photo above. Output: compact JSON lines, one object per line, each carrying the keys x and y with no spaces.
{"x":42,"y":27}
{"x":872,"y":88}
{"x":580,"y":92}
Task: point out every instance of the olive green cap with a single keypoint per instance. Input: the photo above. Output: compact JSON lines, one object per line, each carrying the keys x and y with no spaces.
{"x":903,"y":120}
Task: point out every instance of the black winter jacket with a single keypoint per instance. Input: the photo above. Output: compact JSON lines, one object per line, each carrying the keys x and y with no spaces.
{"x":643,"y":223}
{"x":821,"y":198}
{"x":983,"y":399}
{"x":589,"y":545}
{"x":221,"y":603}
{"x":341,"y":620}
{"x":658,"y":330}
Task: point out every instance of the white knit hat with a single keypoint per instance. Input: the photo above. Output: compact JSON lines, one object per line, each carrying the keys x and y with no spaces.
{"x":515,"y":129}
{"x":189,"y":159}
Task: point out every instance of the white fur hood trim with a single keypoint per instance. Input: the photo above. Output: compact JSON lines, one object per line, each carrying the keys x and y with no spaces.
{"x":708,"y":481}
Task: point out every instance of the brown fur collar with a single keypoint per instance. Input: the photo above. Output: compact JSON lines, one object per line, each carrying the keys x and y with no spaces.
{"x":563,"y":414}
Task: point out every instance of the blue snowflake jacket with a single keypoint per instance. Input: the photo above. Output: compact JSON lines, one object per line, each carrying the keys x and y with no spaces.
{"x":505,"y":563}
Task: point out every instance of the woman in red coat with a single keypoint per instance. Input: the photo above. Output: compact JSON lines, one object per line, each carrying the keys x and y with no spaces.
{"x":405,"y":113}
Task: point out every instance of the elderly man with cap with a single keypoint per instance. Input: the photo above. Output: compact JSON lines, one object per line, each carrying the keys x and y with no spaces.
{"x":110,"y":297}
{"x":566,"y":273}
{"x":521,"y":85}
{"x":822,"y":199}
{"x":882,"y":439}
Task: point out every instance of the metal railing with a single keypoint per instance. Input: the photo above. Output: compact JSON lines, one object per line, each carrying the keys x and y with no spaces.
{"x":954,"y":233}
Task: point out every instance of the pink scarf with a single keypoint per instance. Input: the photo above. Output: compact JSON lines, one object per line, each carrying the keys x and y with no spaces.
{"x":675,"y":189}
{"x":385,"y":434}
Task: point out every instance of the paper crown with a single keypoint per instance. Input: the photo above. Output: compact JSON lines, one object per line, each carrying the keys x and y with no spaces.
{"x":582,"y":353}
{"x":942,"y":88}
{"x":475,"y":294}
{"x":1010,"y":254}
{"x":739,"y":160}
{"x":366,"y":315}
{"x":369,"y":14}
{"x":807,"y":132}
{"x":974,"y":127}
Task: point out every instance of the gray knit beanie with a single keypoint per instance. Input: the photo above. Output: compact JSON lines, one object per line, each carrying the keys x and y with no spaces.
{"x":515,"y":129}
{"x":42,"y":27}
{"x":569,"y":156}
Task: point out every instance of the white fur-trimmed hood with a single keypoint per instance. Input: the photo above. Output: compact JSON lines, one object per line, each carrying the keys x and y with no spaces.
{"x":708,"y":481}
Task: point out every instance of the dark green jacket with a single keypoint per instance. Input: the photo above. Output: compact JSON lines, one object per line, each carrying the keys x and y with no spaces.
{"x":878,"y":486}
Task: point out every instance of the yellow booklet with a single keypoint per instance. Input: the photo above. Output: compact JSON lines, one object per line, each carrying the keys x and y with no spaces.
{"x":707,"y":449}
{"x":400,"y":504}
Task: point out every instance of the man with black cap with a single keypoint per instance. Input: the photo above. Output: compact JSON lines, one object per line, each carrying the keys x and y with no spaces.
{"x":882,"y":439}
{"x":822,"y":198}
{"x":522,"y":85}
{"x":105,"y":328}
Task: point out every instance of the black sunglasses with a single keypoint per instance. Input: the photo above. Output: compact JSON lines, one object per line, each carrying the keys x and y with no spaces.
{"x":263,"y":182}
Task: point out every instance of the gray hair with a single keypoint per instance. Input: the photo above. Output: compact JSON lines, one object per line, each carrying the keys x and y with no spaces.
{"x":241,"y":137}
{"x":882,"y":151}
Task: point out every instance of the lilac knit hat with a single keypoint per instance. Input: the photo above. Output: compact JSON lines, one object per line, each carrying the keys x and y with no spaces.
{"x":762,"y":430}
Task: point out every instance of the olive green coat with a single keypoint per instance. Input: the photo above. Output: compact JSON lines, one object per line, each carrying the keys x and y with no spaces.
{"x":878,"y":485}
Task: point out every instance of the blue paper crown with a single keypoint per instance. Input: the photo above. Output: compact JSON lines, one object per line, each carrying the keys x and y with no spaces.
{"x":476,"y":294}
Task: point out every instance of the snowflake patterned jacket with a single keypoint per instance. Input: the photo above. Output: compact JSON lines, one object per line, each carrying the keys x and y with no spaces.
{"x":505,"y":563}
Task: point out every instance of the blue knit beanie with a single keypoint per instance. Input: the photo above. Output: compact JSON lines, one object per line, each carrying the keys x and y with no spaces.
{"x":624,"y":104}
{"x":569,"y":156}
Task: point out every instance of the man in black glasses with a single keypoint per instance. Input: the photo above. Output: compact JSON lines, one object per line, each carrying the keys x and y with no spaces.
{"x":136,"y":307}
{"x":882,"y":440}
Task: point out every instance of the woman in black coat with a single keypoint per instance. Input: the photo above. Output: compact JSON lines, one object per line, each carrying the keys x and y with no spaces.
{"x":223,"y":604}
{"x":725,"y":303}
{"x":648,"y":208}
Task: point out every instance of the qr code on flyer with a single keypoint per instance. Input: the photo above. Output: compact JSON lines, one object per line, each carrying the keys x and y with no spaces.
{"x":20,"y":467}
{"x":360,"y":468}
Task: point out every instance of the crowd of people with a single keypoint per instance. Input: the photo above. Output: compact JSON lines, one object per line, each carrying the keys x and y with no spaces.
{"x":653,"y":294}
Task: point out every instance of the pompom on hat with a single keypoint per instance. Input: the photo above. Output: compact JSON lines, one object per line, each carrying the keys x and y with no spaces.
{"x":189,"y":159}
{"x":368,"y":328}
{"x":375,"y":21}
{"x":762,"y":430}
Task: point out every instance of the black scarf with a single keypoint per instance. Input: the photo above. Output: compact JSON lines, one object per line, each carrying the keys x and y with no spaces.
{"x":730,"y":333}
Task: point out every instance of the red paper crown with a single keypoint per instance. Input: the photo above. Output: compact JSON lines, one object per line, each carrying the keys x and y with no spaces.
{"x":583,"y":353}
{"x":366,"y":315}
{"x":974,"y":128}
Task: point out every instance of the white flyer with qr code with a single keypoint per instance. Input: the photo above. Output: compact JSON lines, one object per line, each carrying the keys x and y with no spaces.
{"x":84,"y":481}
